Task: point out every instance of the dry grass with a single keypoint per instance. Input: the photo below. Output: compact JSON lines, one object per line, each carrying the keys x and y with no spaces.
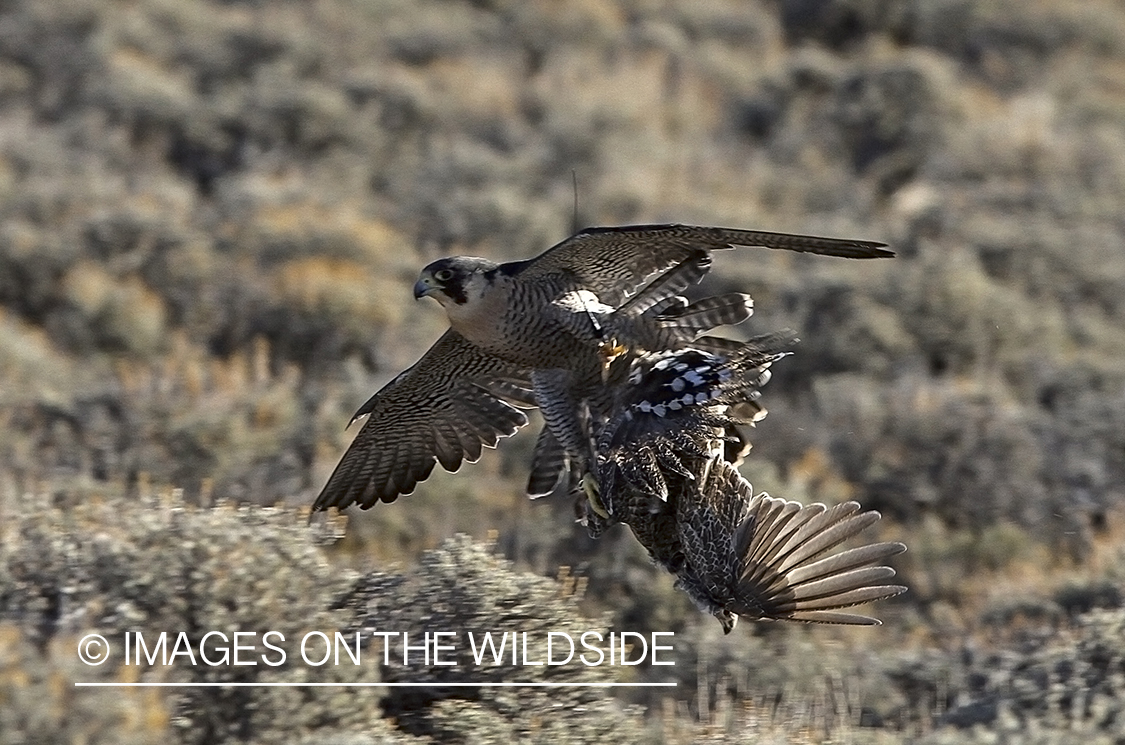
{"x":211,"y":214}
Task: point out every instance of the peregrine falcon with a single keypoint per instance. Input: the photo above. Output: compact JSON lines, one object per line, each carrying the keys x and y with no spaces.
{"x":661,"y":469}
{"x":540,"y":332}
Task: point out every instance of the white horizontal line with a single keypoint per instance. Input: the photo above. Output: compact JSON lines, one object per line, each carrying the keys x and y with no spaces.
{"x":374,"y":685}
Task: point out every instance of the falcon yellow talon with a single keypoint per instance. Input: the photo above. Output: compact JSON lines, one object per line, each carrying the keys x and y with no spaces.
{"x":610,"y":351}
{"x":590,"y":486}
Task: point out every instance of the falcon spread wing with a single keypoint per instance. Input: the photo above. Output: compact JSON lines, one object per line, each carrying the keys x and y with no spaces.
{"x":442,"y":409}
{"x":614,"y":262}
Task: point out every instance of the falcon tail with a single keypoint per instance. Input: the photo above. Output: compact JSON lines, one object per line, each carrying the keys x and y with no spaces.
{"x":785,"y":575}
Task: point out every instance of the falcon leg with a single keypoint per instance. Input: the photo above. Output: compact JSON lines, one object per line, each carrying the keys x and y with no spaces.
{"x":593,"y":495}
{"x":561,"y":411}
{"x":567,"y":418}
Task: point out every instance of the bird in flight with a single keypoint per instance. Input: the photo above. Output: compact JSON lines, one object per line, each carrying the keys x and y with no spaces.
{"x":661,"y":470}
{"x":542,"y":332}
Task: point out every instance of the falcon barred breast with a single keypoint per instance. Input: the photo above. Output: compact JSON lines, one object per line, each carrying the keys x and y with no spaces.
{"x":542,"y":332}
{"x":661,"y":470}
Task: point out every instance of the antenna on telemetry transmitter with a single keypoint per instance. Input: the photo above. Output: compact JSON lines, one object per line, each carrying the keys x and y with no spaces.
{"x":574,"y":219}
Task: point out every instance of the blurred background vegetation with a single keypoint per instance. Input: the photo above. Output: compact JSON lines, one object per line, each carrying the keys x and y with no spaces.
{"x":211,"y":213}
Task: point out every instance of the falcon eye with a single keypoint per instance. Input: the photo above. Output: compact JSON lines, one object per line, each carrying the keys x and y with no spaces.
{"x":443,"y":275}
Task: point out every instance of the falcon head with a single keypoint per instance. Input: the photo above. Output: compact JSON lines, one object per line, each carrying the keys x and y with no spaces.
{"x":454,"y":280}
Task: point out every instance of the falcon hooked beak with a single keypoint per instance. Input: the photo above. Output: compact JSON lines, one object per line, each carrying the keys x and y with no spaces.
{"x":426,"y":286}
